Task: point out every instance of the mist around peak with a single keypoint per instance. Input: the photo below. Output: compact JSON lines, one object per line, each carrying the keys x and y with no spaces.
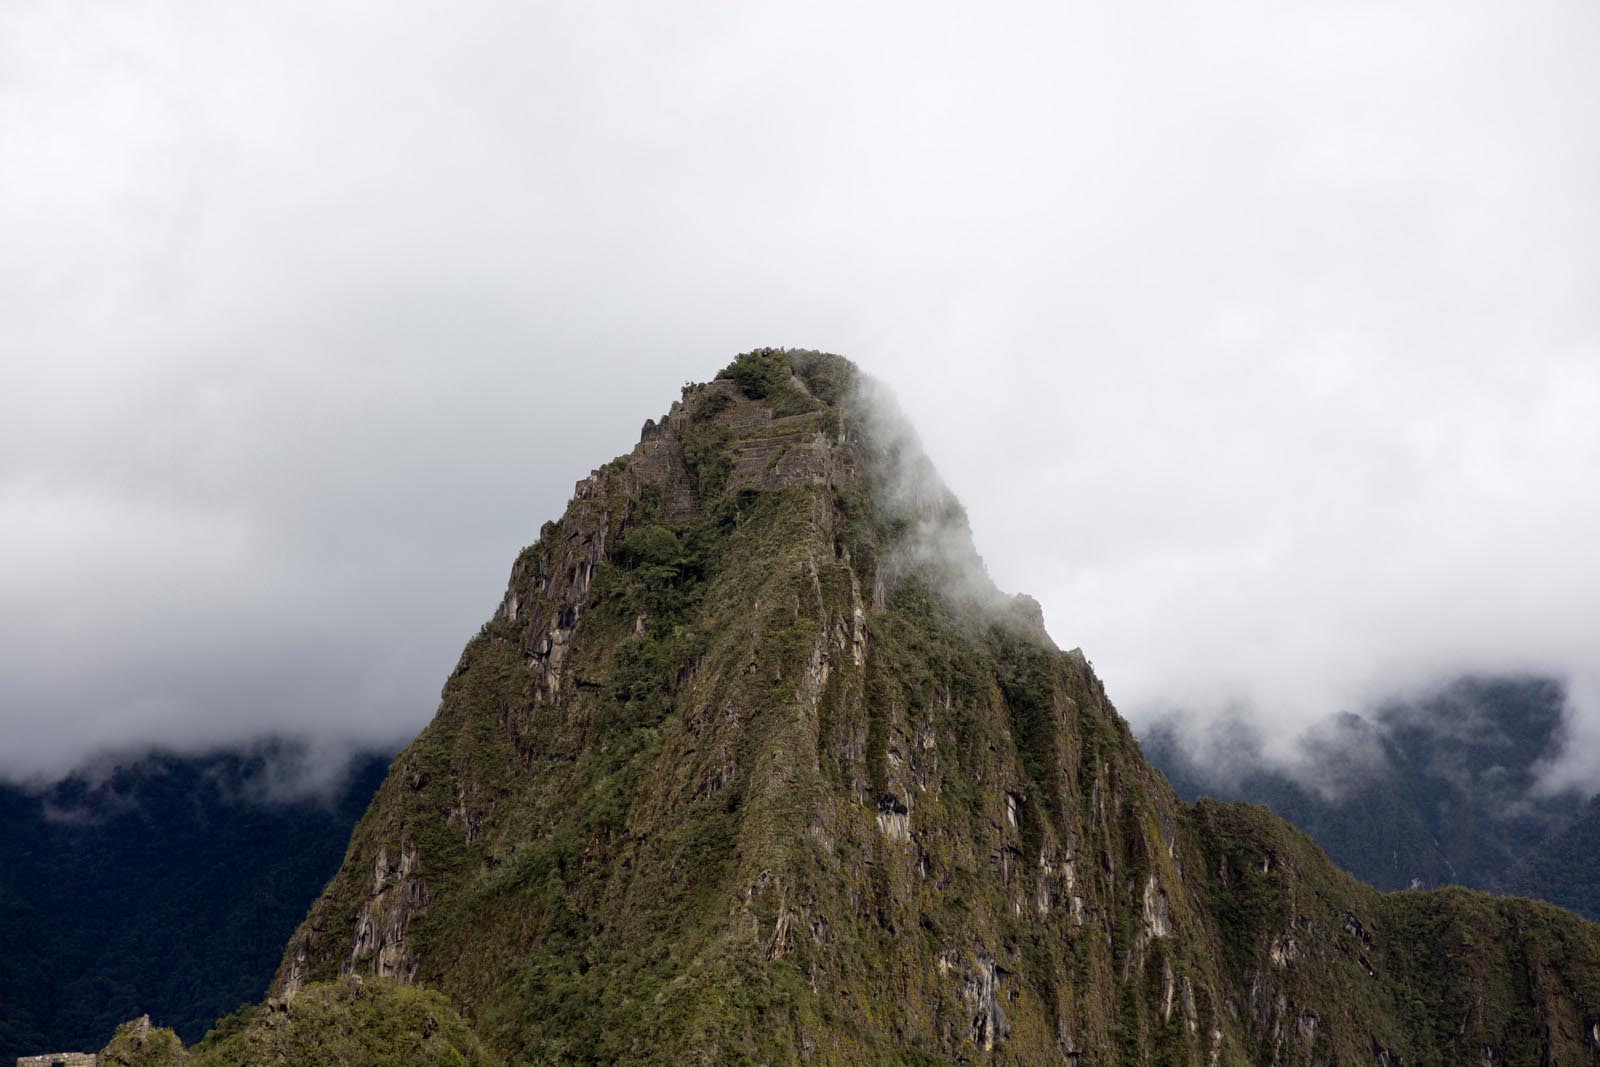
{"x":933,"y":535}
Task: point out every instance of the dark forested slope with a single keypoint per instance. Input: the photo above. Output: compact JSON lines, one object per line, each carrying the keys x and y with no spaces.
{"x":167,"y":887}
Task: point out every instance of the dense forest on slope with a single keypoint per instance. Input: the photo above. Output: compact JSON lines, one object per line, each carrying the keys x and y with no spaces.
{"x":1565,"y":868}
{"x":166,"y":886}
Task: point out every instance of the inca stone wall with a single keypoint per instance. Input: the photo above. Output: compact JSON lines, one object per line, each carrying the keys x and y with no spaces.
{"x":60,"y":1059}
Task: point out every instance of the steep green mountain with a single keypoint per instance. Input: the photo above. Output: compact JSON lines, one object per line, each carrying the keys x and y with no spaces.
{"x":167,"y":886}
{"x":752,"y":765}
{"x":1436,"y":790}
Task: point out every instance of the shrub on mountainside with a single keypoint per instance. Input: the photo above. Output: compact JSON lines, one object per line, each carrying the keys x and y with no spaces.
{"x":138,"y":1044}
{"x":348,"y":1023}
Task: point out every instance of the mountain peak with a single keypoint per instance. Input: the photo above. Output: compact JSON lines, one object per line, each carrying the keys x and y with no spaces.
{"x":752,"y":764}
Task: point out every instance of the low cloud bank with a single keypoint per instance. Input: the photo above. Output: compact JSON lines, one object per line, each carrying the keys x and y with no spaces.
{"x":1449,"y":786}
{"x":272,"y":772}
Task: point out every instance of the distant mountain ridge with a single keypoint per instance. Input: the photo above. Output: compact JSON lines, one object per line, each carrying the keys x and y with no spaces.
{"x":1438,"y":790}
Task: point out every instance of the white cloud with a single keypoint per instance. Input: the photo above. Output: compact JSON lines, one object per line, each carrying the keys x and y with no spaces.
{"x":1259,"y":340}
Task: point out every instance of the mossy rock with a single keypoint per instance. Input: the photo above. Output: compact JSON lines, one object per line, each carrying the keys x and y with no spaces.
{"x":138,"y":1044}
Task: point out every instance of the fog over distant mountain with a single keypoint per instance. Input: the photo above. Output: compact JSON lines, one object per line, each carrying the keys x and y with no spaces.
{"x":1447,"y":789}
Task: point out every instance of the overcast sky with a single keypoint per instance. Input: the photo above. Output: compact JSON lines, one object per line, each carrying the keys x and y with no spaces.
{"x":1262,"y":340}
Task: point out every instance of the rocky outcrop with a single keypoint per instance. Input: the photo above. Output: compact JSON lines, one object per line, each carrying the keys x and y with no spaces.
{"x":139,"y":1044}
{"x":380,"y":938}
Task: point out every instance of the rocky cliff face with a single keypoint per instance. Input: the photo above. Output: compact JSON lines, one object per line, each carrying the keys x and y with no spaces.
{"x":751,"y":765}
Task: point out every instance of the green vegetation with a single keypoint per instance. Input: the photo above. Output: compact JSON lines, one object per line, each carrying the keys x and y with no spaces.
{"x":138,"y":1044}
{"x":706,"y":445}
{"x":829,"y":378}
{"x":766,"y":373}
{"x":351,"y":1023}
{"x":758,"y":373}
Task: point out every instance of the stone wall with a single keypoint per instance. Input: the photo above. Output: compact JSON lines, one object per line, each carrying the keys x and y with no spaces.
{"x":60,"y":1059}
